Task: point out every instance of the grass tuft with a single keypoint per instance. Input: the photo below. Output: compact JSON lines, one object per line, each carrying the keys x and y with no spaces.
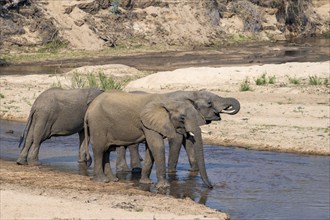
{"x":314,"y":80}
{"x":96,"y":80}
{"x":245,"y":86}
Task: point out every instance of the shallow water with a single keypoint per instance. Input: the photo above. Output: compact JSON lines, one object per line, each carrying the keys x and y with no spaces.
{"x":247,"y":184}
{"x":303,"y":50}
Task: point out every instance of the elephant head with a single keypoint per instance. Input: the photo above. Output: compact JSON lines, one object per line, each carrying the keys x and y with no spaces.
{"x":220,"y":104}
{"x":171,"y":117}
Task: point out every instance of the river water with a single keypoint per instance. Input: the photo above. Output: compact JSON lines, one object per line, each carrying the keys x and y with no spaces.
{"x":247,"y":184}
{"x":303,"y":50}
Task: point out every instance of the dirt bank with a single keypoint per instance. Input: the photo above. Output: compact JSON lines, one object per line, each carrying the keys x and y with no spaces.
{"x":100,"y":24}
{"x":38,"y":193}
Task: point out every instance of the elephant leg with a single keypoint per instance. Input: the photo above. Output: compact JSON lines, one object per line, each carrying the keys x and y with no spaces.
{"x":174,"y":152}
{"x":156,"y":146}
{"x":121,"y":163}
{"x":107,"y":168}
{"x":135,"y":158}
{"x":22,"y":159}
{"x":188,"y":145}
{"x":99,"y":175}
{"x":147,"y":167}
{"x":41,"y":132}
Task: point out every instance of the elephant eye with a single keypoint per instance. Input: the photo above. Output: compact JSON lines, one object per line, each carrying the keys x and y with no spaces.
{"x":182,"y":117}
{"x":209,"y":104}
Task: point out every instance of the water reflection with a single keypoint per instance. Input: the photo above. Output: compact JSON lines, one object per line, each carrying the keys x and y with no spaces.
{"x":247,"y":184}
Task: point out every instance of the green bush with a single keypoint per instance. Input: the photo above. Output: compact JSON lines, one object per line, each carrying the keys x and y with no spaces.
{"x":108,"y":83}
{"x":262,"y":80}
{"x":245,"y":86}
{"x":93,"y":80}
{"x":272,"y":80}
{"x":78,"y":81}
{"x":327,"y":34}
{"x":314,"y":80}
{"x":294,"y":81}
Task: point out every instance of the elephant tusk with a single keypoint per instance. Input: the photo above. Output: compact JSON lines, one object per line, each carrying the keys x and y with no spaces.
{"x":191,"y":134}
{"x":228,"y":111}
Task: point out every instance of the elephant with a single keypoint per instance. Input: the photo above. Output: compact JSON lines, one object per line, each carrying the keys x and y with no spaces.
{"x":204,"y":102}
{"x":120,"y":119}
{"x":55,"y":112}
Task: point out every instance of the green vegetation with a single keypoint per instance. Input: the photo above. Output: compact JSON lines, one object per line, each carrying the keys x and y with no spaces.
{"x":314,"y":80}
{"x":53,"y":46}
{"x":272,"y":80}
{"x":2,"y":96}
{"x":294,"y":81}
{"x":263,"y":80}
{"x":245,"y":86}
{"x":115,"y":7}
{"x":327,"y":34}
{"x":56,"y":84}
{"x":78,"y":81}
{"x":240,"y":38}
{"x":96,"y":80}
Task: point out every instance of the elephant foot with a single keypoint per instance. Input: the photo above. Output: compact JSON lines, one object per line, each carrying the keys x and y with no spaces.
{"x":101,"y":179}
{"x":194,"y":169}
{"x":171,"y":170}
{"x":162,"y":184}
{"x":113,"y":179}
{"x":34,"y":162}
{"x":136,"y":170}
{"x":145,"y":180}
{"x":21,"y":161}
{"x":123,"y":169}
{"x":88,"y":162}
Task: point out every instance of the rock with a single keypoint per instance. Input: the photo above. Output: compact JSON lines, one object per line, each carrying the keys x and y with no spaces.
{"x":79,"y":23}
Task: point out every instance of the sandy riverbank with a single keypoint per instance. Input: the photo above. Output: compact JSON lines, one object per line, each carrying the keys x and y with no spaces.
{"x":282,"y":116}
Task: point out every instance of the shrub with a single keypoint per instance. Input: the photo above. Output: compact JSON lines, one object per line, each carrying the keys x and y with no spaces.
{"x":115,"y":6}
{"x":294,"y":81}
{"x":314,"y":80}
{"x":261,"y":80}
{"x":53,"y":46}
{"x":108,"y":83}
{"x":77,"y":81}
{"x":272,"y":80}
{"x":93,"y":80}
{"x":327,"y":34}
{"x":245,"y":86}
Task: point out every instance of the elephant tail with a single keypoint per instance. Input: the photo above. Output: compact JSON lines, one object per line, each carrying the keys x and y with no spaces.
{"x":26,"y":129}
{"x":86,"y":142}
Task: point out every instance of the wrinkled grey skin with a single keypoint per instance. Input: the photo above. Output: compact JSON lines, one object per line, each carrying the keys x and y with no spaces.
{"x":210,"y":107}
{"x":55,"y":112}
{"x":121,"y":119}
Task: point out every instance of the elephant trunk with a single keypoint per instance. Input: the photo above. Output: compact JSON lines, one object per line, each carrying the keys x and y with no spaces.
{"x":199,"y":154}
{"x":229,"y":106}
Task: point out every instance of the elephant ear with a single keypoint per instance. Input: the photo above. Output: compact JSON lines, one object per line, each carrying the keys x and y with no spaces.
{"x":92,"y":94}
{"x":194,"y":113}
{"x":155,"y":117}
